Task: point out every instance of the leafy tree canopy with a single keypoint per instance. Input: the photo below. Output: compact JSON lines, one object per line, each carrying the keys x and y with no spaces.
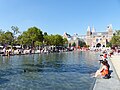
{"x":115,"y":41}
{"x":74,"y":44}
{"x":53,"y":40}
{"x":30,"y":36}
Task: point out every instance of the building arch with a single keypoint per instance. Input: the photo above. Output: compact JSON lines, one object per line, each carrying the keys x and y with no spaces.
{"x":98,"y":45}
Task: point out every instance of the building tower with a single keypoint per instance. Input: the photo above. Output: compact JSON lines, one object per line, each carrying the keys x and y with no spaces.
{"x":88,"y":37}
{"x":110,"y":32}
{"x":93,"y":29}
{"x":88,"y":31}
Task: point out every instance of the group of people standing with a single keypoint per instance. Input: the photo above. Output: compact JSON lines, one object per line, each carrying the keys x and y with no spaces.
{"x":104,"y":71}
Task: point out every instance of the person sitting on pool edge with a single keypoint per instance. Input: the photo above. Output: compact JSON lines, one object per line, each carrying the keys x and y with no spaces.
{"x":103,"y":71}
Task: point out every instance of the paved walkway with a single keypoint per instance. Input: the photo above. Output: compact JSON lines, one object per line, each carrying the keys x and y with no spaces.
{"x":114,"y":82}
{"x":116,"y":63}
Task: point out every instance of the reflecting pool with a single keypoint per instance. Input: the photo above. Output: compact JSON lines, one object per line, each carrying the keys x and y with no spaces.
{"x":54,"y":71}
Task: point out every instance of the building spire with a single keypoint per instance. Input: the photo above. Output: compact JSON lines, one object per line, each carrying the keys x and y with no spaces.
{"x":93,"y":29}
{"x":109,"y":27}
{"x":88,"y":29}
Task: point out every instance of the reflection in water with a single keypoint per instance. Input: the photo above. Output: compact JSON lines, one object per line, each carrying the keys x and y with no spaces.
{"x":64,"y":71}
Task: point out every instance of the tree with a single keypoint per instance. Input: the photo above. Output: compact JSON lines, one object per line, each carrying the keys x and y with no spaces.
{"x":115,"y":41}
{"x":117,"y":33}
{"x":74,"y":44}
{"x":46,"y":39}
{"x":65,"y":42}
{"x":7,"y":38}
{"x":81,"y":43}
{"x":56,"y":40}
{"x":37,"y":43}
{"x":45,"y":34}
{"x":109,"y":44}
{"x":30,"y":36}
{"x":1,"y":32}
{"x":23,"y":39}
{"x":1,"y":36}
{"x":15,"y":30}
{"x":35,"y":34}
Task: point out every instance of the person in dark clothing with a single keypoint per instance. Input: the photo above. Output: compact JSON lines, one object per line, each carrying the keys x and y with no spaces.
{"x":103,"y":71}
{"x":107,"y":76}
{"x":107,"y":64}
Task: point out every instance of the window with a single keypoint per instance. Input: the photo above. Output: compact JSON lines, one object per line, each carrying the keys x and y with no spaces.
{"x":97,"y":40}
{"x":103,"y":45}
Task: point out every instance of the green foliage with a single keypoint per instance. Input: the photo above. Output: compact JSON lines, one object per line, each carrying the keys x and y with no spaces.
{"x":45,"y":34}
{"x":15,"y":30}
{"x":65,"y":41}
{"x":87,"y":46}
{"x":108,"y":44}
{"x":115,"y":41}
{"x":56,"y":40}
{"x":35,"y":34}
{"x":117,"y":33}
{"x":30,"y":36}
{"x":74,"y":44}
{"x":37,"y":43}
{"x":81,"y":43}
{"x":9,"y":37}
{"x":6,"y":37}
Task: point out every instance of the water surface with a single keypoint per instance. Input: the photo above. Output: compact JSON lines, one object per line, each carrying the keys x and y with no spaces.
{"x":55,"y":71}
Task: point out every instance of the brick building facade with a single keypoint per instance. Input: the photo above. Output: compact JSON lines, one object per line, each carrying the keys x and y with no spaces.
{"x":98,"y":39}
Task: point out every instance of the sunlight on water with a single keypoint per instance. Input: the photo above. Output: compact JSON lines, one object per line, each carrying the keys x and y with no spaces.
{"x":55,"y":71}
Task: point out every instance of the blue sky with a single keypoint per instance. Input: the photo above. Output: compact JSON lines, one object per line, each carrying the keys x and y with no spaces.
{"x":59,"y":16}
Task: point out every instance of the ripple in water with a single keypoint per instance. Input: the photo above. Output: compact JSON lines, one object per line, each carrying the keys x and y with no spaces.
{"x":56,"y":71}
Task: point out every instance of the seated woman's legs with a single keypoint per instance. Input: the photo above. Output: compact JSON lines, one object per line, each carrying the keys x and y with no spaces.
{"x":97,"y":73}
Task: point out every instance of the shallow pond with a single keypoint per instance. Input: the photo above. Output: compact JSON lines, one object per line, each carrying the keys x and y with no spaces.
{"x":54,"y":71}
